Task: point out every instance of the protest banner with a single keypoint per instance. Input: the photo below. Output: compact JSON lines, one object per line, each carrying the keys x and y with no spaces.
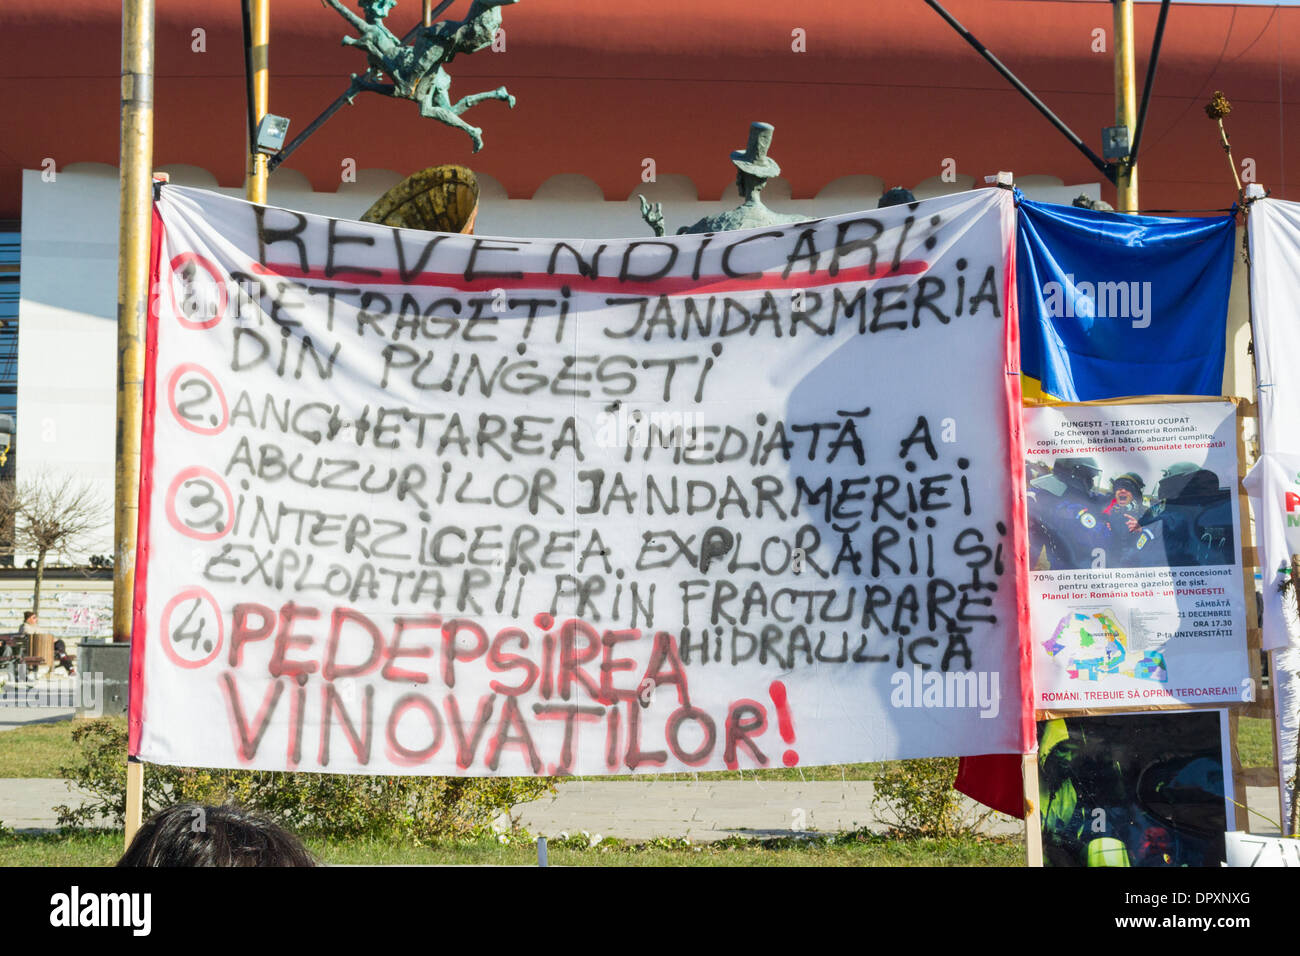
{"x":430,"y":503}
{"x":1274,"y":232}
{"x":1136,"y":789}
{"x":1136,"y":593}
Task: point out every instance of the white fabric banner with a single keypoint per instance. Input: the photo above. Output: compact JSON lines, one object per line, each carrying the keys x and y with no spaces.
{"x":426,"y":503}
{"x":1136,"y":592}
{"x":1274,"y":481}
{"x":1249,"y":849}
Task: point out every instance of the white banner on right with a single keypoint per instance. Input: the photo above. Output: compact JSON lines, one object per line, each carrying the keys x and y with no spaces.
{"x":1274,"y":482}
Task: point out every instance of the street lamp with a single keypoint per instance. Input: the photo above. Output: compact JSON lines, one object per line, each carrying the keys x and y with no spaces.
{"x":271,"y":132}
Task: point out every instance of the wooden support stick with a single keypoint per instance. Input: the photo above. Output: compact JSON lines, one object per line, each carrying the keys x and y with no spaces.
{"x":1033,"y":823}
{"x":134,"y":797}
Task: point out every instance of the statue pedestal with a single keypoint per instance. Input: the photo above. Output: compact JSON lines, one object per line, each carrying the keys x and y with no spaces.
{"x":110,"y":664}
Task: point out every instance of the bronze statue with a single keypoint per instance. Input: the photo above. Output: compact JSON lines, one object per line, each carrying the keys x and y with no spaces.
{"x":417,"y":70}
{"x":755,"y":168}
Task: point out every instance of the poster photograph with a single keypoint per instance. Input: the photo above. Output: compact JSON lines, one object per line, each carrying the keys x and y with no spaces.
{"x":1136,"y":595}
{"x":1138,"y":789}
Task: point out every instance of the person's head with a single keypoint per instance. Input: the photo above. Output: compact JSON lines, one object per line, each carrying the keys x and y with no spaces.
{"x":29,"y":617}
{"x":375,"y":10}
{"x":1078,"y":473}
{"x":896,"y":196}
{"x":1127,"y":488}
{"x":191,"y":834}
{"x":1186,"y":479}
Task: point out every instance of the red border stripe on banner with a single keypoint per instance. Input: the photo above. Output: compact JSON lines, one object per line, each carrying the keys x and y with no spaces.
{"x":139,"y":623}
{"x":1020,"y":517}
{"x":675,"y":285}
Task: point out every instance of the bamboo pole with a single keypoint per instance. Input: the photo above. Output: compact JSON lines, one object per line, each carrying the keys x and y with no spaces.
{"x":1033,"y":814}
{"x":1126,"y":184}
{"x":136,"y":208}
{"x":258,"y":162}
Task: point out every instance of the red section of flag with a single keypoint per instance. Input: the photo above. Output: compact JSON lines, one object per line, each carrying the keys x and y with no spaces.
{"x":994,"y":780}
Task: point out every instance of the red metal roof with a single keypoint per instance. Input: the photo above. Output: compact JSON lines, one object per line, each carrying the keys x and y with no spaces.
{"x":885,"y":88}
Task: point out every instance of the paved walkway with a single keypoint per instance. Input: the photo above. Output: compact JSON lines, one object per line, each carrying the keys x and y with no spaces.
{"x":634,"y":810}
{"x":631,"y":810}
{"x":28,"y":804}
{"x":713,"y":810}
{"x":39,"y":701}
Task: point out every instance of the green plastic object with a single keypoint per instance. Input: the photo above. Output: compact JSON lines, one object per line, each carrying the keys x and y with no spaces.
{"x":1107,"y":851}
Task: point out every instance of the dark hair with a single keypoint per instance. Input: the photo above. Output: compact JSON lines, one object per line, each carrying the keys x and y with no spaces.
{"x":28,"y":616}
{"x":191,"y":834}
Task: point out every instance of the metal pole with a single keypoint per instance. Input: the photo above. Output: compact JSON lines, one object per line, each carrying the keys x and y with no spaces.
{"x":136,"y":210}
{"x":247,"y":18}
{"x":1150,"y":81}
{"x":1106,"y":169}
{"x":135,"y":219}
{"x":260,"y":24}
{"x":1126,"y":184}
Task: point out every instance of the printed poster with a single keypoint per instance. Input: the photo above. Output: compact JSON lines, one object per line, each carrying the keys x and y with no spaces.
{"x":1135,"y":790}
{"x":1136,"y":594}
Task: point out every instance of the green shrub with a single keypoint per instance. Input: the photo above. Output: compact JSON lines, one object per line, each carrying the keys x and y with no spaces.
{"x":915,"y":798}
{"x":312,"y":804}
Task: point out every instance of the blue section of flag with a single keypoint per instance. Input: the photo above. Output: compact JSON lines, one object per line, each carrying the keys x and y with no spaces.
{"x":1114,"y":305}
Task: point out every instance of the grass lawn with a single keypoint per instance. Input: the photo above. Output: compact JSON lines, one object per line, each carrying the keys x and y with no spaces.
{"x":38,"y":750}
{"x":103,"y":847}
{"x":1255,"y":742}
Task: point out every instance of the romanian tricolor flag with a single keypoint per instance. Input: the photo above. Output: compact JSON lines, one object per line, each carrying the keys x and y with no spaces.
{"x":1114,"y":305}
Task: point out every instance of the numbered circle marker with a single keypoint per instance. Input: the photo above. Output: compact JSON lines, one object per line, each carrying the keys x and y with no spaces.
{"x":196,"y":399}
{"x":199,"y":505}
{"x":192,"y":629}
{"x":198,"y":291}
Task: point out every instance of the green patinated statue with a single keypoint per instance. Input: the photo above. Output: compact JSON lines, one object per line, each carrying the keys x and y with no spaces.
{"x":416,"y":70}
{"x":755,"y":169}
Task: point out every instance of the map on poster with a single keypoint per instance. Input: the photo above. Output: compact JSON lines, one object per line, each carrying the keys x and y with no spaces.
{"x":1136,"y":595}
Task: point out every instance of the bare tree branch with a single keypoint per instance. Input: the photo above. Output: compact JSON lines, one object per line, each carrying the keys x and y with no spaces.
{"x":50,"y":514}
